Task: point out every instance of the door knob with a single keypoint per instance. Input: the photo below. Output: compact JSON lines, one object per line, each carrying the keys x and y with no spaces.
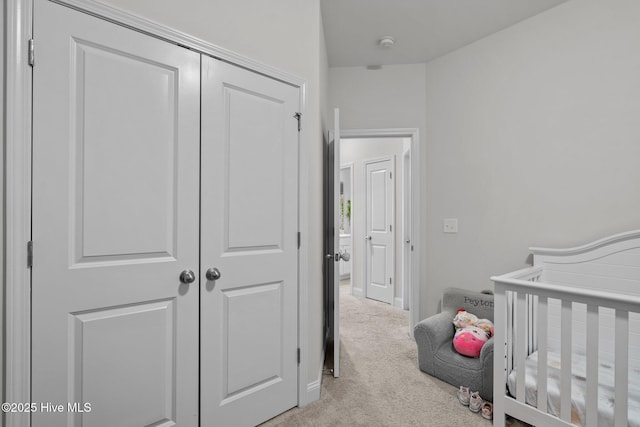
{"x":329,"y":256}
{"x":345,"y":256}
{"x":187,"y":276}
{"x":367,"y":237}
{"x":213,"y":274}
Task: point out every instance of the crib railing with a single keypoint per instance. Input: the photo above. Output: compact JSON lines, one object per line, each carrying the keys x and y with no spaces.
{"x":522,"y":307}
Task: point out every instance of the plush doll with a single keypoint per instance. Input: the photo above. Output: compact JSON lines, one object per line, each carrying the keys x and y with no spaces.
{"x":487,"y":325}
{"x":471,"y":333}
{"x":464,"y":318}
{"x":469,"y":340}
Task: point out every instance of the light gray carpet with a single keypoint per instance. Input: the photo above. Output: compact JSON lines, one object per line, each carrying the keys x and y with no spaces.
{"x":380,"y":383}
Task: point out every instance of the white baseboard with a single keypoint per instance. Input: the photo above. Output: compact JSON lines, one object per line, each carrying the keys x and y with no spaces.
{"x":357,"y":292}
{"x":398,"y":302}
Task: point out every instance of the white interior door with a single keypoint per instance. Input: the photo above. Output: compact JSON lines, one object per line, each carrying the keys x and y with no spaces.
{"x":332,"y":244}
{"x":336,"y":243}
{"x":379,"y":237}
{"x":249,"y":246}
{"x":115,"y":221}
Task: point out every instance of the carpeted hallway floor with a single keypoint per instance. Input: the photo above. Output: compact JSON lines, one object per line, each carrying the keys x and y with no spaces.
{"x":380,"y":383}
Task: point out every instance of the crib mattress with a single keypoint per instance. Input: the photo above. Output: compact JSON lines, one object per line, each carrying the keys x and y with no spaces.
{"x":606,"y":393}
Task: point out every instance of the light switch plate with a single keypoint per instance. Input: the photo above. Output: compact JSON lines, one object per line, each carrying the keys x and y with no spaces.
{"x":450,"y":225}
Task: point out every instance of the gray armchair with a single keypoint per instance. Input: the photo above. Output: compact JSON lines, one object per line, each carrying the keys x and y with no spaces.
{"x":434,"y":337}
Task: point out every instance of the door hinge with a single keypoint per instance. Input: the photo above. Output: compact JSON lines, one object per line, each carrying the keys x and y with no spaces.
{"x":298,"y":116}
{"x":32,"y":54}
{"x":29,"y":254}
{"x":390,"y":175}
{"x":389,"y":280}
{"x":298,"y":356}
{"x":390,"y":227}
{"x":299,"y":239}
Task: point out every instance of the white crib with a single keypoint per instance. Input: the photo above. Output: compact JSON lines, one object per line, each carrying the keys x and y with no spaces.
{"x":577,"y":308}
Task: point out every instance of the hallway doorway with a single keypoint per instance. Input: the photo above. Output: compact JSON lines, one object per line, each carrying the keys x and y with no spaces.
{"x":359,"y":148}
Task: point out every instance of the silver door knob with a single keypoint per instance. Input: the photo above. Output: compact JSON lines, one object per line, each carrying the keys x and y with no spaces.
{"x":345,"y":256}
{"x":213,"y":274}
{"x":329,"y":256}
{"x":367,"y":237}
{"x":187,"y":276}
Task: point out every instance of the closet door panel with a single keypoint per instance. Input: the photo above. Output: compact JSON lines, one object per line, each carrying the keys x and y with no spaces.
{"x":115,"y":222}
{"x":249,"y":234}
{"x":255,"y":166}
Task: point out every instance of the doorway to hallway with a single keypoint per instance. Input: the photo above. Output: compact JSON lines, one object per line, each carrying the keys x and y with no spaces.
{"x":375,"y":217}
{"x":406,"y":224}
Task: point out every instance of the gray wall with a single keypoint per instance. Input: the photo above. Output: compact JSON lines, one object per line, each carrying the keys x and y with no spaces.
{"x":392,"y":97}
{"x":529,"y":137}
{"x":533,"y":140}
{"x":316,"y":220}
{"x":2,"y":29}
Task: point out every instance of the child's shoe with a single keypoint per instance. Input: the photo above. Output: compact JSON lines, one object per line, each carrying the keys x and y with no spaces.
{"x":475,"y":402}
{"x":463,"y":395}
{"x":487,"y":410}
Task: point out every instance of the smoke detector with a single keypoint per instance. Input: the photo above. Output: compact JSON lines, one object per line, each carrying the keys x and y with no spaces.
{"x":386,"y":42}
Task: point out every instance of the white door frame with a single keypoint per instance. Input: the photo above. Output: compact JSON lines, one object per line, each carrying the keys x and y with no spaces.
{"x":405,"y":229}
{"x":413,"y":135}
{"x":17,"y":192}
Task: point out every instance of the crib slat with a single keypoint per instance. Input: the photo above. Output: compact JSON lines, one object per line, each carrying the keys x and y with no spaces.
{"x":521,"y":345}
{"x":592,"y":366}
{"x":622,"y":369}
{"x":510,"y":301}
{"x":542,"y":353}
{"x":532,"y":344}
{"x":499,"y":355}
{"x":565,"y":361}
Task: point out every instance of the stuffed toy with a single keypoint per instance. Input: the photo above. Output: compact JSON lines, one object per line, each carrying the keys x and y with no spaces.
{"x":464,"y":318}
{"x":469,"y":340}
{"x":471,"y":333}
{"x":487,"y":325}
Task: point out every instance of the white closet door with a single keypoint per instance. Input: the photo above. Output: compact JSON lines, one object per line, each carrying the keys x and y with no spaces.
{"x":249,"y":234}
{"x":115,"y":221}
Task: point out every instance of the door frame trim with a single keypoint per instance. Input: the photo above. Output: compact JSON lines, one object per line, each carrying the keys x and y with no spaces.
{"x":18,"y":78}
{"x":17,"y":209}
{"x":407,"y":204}
{"x":416,"y":206}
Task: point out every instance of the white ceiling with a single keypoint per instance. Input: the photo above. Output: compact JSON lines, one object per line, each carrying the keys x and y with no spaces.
{"x":422,"y":29}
